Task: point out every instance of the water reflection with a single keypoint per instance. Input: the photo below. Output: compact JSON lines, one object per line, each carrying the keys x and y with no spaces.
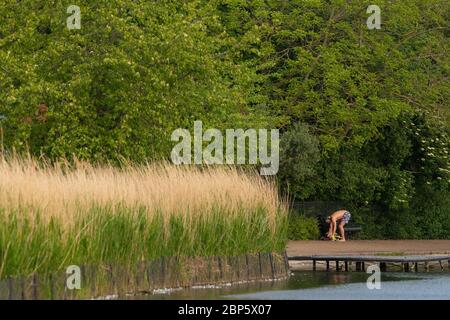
{"x":328,"y":286}
{"x":338,"y":278}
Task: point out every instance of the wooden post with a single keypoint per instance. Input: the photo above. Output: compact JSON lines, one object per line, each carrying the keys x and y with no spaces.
{"x":314,"y":264}
{"x":23,"y":293}
{"x":448,"y":264}
{"x":260,"y":265}
{"x":416,"y":267}
{"x":148,"y":275}
{"x":328,"y":265}
{"x":248,"y":266}
{"x":383,"y":266}
{"x":219,"y":261}
{"x":286,"y":262}
{"x":346,"y":265}
{"x":238,"y":272}
{"x":52,"y":287}
{"x":337,"y":265}
{"x":178,"y":264}
{"x":427,"y":268}
{"x":10,"y":288}
{"x":137,"y":279}
{"x":111,"y":277}
{"x":163,"y":271}
{"x":358,"y":265}
{"x":406,"y":266}
{"x":210,"y":271}
{"x":35,"y":286}
{"x":363,"y":266}
{"x":272,"y":267}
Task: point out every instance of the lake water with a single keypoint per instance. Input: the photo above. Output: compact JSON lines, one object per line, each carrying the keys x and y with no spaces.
{"x":323,"y":285}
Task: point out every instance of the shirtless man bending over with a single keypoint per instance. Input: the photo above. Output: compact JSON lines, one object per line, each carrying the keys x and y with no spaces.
{"x":341,"y":216}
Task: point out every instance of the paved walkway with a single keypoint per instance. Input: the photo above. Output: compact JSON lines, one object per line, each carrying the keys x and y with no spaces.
{"x":368,"y":247}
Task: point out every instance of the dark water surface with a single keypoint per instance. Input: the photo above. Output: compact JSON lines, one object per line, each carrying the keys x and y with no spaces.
{"x":324,"y":285}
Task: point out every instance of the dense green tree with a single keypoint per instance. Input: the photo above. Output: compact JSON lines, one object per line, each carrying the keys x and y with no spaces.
{"x":374,"y":102}
{"x":377,"y":100}
{"x":300,"y":155}
{"x":118,"y":87}
{"x":320,"y":64}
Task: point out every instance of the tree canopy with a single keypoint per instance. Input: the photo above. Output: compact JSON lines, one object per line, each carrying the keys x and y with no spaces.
{"x":364,"y":114}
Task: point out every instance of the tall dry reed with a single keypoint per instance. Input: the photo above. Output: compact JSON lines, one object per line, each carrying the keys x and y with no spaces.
{"x":61,"y":190}
{"x":54,"y":215}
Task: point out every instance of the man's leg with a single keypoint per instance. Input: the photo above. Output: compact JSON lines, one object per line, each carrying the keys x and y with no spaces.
{"x":330,"y":229}
{"x":333,"y":221}
{"x":341,"y":230}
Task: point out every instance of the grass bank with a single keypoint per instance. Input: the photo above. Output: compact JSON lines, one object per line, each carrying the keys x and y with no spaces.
{"x":56,"y":215}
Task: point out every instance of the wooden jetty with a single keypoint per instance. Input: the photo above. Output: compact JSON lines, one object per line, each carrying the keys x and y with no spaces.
{"x":408,"y":263}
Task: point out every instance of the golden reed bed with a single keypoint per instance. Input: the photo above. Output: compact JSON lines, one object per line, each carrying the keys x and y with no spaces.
{"x":61,"y":190}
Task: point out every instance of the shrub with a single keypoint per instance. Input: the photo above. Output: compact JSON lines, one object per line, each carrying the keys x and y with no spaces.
{"x":303,"y":228}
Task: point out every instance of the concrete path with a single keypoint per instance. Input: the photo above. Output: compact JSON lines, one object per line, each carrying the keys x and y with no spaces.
{"x":368,"y":247}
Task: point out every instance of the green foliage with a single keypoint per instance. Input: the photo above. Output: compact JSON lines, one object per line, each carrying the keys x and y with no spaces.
{"x":129,"y":235}
{"x":320,"y":64}
{"x":118,"y":87}
{"x":427,"y":217}
{"x":375,"y":99}
{"x":433,"y":209}
{"x":375,"y":102}
{"x":302,"y":227}
{"x":299,"y":153}
{"x":410,"y":199}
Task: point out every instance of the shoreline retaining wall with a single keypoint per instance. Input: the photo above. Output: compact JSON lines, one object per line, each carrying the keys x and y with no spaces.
{"x":175,"y":272}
